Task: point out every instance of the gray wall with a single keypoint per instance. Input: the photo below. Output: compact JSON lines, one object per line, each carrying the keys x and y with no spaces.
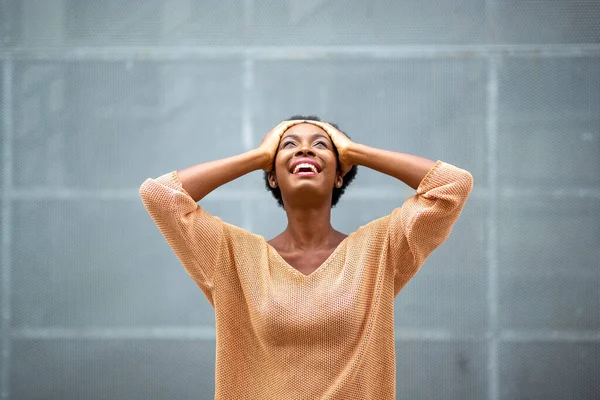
{"x":97,"y":96}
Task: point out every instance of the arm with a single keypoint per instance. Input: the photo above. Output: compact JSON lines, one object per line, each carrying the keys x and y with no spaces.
{"x":196,"y":237}
{"x":425,"y":220}
{"x":409,"y":168}
{"x":202,"y":179}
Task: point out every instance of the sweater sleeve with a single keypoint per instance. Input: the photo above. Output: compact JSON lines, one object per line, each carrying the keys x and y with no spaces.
{"x":426,"y":219}
{"x":193,"y":234}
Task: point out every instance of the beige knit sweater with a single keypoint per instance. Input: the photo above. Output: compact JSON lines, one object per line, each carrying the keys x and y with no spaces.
{"x":281,"y":334}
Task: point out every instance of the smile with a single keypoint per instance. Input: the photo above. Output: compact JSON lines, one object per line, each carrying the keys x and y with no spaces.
{"x":305,"y":169}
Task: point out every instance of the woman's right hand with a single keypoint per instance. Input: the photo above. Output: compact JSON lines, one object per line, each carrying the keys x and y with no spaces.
{"x":270,"y":143}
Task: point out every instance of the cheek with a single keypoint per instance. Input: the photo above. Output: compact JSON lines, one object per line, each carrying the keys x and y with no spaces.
{"x":276,"y":160}
{"x":333,"y":163}
{"x":280,"y":168}
{"x":332,"y":174}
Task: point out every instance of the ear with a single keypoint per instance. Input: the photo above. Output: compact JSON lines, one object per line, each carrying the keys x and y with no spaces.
{"x":339,"y":181}
{"x":272,"y":179}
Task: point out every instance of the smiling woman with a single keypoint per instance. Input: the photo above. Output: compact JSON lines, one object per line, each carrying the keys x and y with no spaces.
{"x":292,"y":141}
{"x":309,"y":313}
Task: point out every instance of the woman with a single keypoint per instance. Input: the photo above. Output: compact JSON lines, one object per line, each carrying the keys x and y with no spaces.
{"x":308,"y":314}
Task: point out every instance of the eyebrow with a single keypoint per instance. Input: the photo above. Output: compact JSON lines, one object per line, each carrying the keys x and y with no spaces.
{"x":314,"y":135}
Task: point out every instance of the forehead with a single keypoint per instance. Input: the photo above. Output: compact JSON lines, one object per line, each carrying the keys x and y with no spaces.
{"x":304,"y":129}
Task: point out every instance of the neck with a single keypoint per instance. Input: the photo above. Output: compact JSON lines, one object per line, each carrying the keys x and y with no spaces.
{"x":309,"y":227}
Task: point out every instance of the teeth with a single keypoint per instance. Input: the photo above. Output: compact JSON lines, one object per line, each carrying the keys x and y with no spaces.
{"x":305,"y":165}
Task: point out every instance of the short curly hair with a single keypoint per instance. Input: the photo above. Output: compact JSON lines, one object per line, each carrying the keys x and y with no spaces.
{"x":337,"y":192}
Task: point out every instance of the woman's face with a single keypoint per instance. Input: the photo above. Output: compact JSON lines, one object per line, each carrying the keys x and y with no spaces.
{"x":306,"y":165}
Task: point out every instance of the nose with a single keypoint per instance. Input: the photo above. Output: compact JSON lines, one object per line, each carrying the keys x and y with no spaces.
{"x":304,"y":151}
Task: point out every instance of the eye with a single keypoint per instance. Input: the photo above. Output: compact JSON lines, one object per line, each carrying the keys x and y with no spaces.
{"x":286,"y":143}
{"x":321,"y":143}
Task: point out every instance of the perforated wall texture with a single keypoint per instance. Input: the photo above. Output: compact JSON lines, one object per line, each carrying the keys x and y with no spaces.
{"x":97,"y":96}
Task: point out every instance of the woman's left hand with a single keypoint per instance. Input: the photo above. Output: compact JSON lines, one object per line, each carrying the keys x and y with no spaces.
{"x":341,"y":142}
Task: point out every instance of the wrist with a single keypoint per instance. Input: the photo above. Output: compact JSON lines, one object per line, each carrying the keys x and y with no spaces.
{"x":261,"y":159}
{"x":353,"y":153}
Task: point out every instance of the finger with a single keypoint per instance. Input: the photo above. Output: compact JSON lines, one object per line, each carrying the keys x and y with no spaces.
{"x":322,"y":125}
{"x":318,"y":123}
{"x":288,"y":124}
{"x":283,"y":126}
{"x":336,"y":130}
{"x":296,"y":121}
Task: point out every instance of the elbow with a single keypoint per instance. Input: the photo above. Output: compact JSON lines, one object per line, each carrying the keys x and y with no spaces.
{"x":461,"y":186}
{"x":144,"y":189}
{"x":466,"y":183}
{"x":454,"y":200}
{"x":151,"y":196}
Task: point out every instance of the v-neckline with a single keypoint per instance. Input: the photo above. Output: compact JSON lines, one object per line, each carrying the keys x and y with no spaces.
{"x":319,"y":268}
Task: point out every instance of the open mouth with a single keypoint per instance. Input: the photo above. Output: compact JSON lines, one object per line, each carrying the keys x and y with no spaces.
{"x":305,"y":169}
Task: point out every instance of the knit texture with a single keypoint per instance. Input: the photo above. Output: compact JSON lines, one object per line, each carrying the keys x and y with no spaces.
{"x":281,"y":334}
